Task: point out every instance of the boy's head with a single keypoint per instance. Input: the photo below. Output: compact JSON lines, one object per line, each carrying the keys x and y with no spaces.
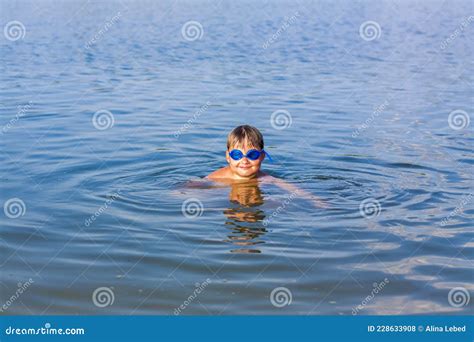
{"x":245,"y":138}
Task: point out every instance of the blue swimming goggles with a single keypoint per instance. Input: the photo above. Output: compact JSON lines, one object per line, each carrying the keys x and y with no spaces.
{"x":251,"y":154}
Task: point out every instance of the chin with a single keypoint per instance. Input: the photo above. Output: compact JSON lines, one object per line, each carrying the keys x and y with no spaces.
{"x":248,"y":173}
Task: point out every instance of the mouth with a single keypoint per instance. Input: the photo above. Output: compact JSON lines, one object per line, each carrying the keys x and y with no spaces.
{"x":245,"y":167}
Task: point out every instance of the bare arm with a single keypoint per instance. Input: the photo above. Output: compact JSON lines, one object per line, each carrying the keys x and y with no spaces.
{"x":291,"y":188}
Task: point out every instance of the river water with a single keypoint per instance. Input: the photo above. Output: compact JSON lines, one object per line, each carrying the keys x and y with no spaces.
{"x":109,"y":109}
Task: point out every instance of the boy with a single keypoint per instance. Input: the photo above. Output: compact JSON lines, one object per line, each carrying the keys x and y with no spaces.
{"x":245,"y":155}
{"x":242,"y":140}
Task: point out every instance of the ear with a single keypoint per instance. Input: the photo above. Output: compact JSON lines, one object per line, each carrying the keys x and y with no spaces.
{"x":227,"y":157}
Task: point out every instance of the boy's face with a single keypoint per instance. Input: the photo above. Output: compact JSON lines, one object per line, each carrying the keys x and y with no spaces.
{"x":244,"y":168}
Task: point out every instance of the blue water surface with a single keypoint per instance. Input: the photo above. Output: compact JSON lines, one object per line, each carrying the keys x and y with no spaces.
{"x":108,"y":110}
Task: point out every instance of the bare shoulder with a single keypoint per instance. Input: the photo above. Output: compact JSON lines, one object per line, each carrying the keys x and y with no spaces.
{"x":219,"y":174}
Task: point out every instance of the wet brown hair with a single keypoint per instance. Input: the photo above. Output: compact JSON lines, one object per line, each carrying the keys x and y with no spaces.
{"x":245,"y":134}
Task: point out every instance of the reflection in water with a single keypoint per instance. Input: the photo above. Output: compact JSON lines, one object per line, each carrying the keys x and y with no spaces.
{"x":245,"y":218}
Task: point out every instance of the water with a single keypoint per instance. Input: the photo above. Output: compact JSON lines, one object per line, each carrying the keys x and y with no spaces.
{"x":369,"y":121}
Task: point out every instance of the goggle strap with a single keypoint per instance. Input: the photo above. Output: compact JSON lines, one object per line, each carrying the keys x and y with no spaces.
{"x":268,"y":155}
